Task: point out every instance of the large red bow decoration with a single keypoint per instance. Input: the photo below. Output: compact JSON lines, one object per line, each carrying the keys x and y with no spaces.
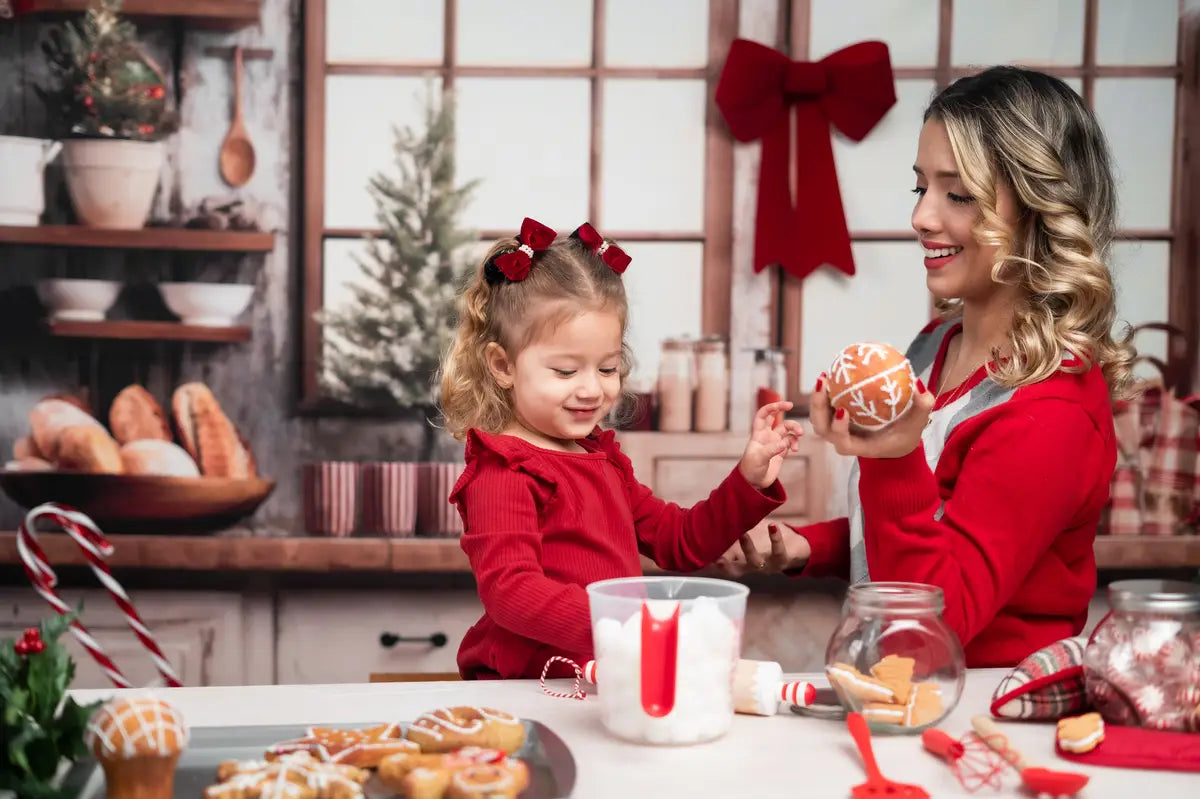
{"x":852,"y":89}
{"x":534,"y":237}
{"x":616,"y":258}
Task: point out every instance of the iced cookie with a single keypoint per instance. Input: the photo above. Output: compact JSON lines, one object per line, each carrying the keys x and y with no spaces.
{"x":362,"y":748}
{"x":433,"y":776}
{"x":137,"y":741}
{"x":896,"y":673}
{"x":861,"y":687}
{"x":1080,"y":734}
{"x":297,"y":775}
{"x":449,"y":728}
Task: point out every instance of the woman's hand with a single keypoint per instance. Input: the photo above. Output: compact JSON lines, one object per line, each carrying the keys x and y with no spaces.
{"x":894,"y":441}
{"x":765,"y":551}
{"x":771,"y":438}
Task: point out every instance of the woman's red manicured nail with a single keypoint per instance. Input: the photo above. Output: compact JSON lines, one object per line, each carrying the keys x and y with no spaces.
{"x":841,"y":414}
{"x":820,"y":383}
{"x":920,"y":386}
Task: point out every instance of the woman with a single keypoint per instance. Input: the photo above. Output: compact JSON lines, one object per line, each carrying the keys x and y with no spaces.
{"x":992,"y":485}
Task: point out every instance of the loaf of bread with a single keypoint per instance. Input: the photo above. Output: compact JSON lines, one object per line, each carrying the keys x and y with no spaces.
{"x":50,"y":417}
{"x":153,"y":456}
{"x":208,"y":435}
{"x":135,"y":416}
{"x":88,"y":448}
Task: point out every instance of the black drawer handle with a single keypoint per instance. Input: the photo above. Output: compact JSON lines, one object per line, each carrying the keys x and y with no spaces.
{"x":388,"y":640}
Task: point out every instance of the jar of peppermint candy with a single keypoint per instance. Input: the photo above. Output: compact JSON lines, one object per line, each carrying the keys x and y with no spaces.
{"x":1142,"y":663}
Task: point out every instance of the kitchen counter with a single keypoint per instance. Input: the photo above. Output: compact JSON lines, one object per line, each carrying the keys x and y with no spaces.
{"x":782,"y":756}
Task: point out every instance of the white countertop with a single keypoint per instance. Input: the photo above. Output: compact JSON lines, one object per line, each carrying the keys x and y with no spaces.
{"x":781,"y":756}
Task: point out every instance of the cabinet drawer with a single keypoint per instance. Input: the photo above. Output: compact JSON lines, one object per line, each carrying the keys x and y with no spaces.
{"x":334,"y":637}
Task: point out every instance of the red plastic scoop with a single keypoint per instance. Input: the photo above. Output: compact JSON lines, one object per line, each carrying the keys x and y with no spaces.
{"x":876,"y":784}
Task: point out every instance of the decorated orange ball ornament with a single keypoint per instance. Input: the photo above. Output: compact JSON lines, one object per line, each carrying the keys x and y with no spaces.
{"x":873,"y":383}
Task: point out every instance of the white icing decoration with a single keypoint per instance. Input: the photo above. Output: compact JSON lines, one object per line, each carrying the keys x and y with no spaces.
{"x":864,"y":684}
{"x":503,"y":781}
{"x":154,"y":719}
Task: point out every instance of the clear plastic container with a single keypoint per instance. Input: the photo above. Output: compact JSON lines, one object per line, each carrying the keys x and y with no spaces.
{"x":1142,"y":663}
{"x":894,"y":659}
{"x":666,"y":648}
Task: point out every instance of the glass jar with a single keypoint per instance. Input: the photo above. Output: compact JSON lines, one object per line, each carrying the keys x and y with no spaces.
{"x":676,"y":385}
{"x":712,"y":385}
{"x":1142,"y":663}
{"x":894,"y":659}
{"x":768,"y":376}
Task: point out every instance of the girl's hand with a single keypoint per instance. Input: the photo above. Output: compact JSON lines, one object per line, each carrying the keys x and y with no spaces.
{"x":894,"y":441}
{"x":771,"y":438}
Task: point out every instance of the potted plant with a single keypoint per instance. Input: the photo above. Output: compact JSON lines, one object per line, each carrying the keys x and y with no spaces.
{"x":41,"y":726}
{"x":109,"y":100}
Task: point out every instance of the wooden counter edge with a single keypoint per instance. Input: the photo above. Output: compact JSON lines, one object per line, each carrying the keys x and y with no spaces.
{"x":264,"y":554}
{"x":431,"y":555}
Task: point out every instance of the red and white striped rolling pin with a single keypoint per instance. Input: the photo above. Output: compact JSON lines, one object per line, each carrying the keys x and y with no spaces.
{"x":95,"y":548}
{"x":758,"y":687}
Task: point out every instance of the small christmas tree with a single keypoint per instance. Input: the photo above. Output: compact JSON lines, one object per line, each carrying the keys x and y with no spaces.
{"x":382,"y":348}
{"x":104,"y":84}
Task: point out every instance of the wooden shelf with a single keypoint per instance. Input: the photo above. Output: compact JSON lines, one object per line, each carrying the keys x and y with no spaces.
{"x":1146,"y":552}
{"x":426,"y":555}
{"x":148,"y":331}
{"x":151,"y":238}
{"x":212,"y":14}
{"x":212,"y":553}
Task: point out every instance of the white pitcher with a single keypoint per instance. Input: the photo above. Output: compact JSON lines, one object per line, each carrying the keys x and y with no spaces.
{"x":22,"y":163}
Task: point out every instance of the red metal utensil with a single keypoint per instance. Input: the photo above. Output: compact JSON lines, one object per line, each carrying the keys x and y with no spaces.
{"x":876,"y":784}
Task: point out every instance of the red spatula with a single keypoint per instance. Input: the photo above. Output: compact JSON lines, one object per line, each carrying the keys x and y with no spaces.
{"x":876,"y":784}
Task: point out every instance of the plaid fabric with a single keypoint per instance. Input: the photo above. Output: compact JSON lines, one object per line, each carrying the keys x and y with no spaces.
{"x":1156,"y":485}
{"x":1048,"y":684}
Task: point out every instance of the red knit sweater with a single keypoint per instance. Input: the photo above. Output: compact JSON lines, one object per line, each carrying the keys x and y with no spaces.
{"x":540,"y":525}
{"x":1006,"y":521}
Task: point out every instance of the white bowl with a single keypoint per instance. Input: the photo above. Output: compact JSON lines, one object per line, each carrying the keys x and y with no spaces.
{"x":208,"y":304}
{"x":78,"y":300}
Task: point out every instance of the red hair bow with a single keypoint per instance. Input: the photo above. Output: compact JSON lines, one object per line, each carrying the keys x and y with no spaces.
{"x":534,"y":237}
{"x":617,"y":259}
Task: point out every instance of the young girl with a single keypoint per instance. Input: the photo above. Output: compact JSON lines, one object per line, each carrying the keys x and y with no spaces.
{"x":991,"y":488}
{"x":548,"y":502}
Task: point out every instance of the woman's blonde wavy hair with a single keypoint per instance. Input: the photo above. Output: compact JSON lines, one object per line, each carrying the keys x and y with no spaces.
{"x":1032,"y":132}
{"x":564,"y":280}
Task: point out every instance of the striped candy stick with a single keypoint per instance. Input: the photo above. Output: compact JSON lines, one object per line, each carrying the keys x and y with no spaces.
{"x":796,"y":692}
{"x":95,"y":548}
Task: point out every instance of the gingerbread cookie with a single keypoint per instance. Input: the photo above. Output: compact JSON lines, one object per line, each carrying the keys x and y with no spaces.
{"x":362,"y":748}
{"x":850,"y":681}
{"x":924,"y":706}
{"x":449,"y":728}
{"x":297,"y":775}
{"x":1080,"y":734}
{"x":433,"y":776}
{"x":896,"y":673}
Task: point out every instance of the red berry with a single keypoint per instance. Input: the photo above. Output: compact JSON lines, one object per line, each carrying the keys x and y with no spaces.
{"x":32,"y":634}
{"x":21,"y":648}
{"x":37,"y":647}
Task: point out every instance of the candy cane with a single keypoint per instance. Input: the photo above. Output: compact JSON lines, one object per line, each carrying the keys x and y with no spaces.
{"x":95,"y":548}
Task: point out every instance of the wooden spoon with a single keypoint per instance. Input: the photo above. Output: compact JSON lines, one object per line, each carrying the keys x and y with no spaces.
{"x":237,"y":153}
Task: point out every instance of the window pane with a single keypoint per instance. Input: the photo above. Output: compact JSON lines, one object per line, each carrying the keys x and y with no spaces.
{"x":1138,"y":116}
{"x":527,"y":139}
{"x":661,"y":270}
{"x":360,"y":113}
{"x":653,"y":175}
{"x":1137,"y":31}
{"x":886,"y":301}
{"x":1141,"y":271}
{"x":876,"y":174}
{"x":525,"y":32}
{"x":341,"y":269}
{"x":1029,"y":31}
{"x":910,"y":28}
{"x":633,"y":33}
{"x":385,"y":30}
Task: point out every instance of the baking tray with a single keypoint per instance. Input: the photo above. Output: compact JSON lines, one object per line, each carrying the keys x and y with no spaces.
{"x":551,"y":765}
